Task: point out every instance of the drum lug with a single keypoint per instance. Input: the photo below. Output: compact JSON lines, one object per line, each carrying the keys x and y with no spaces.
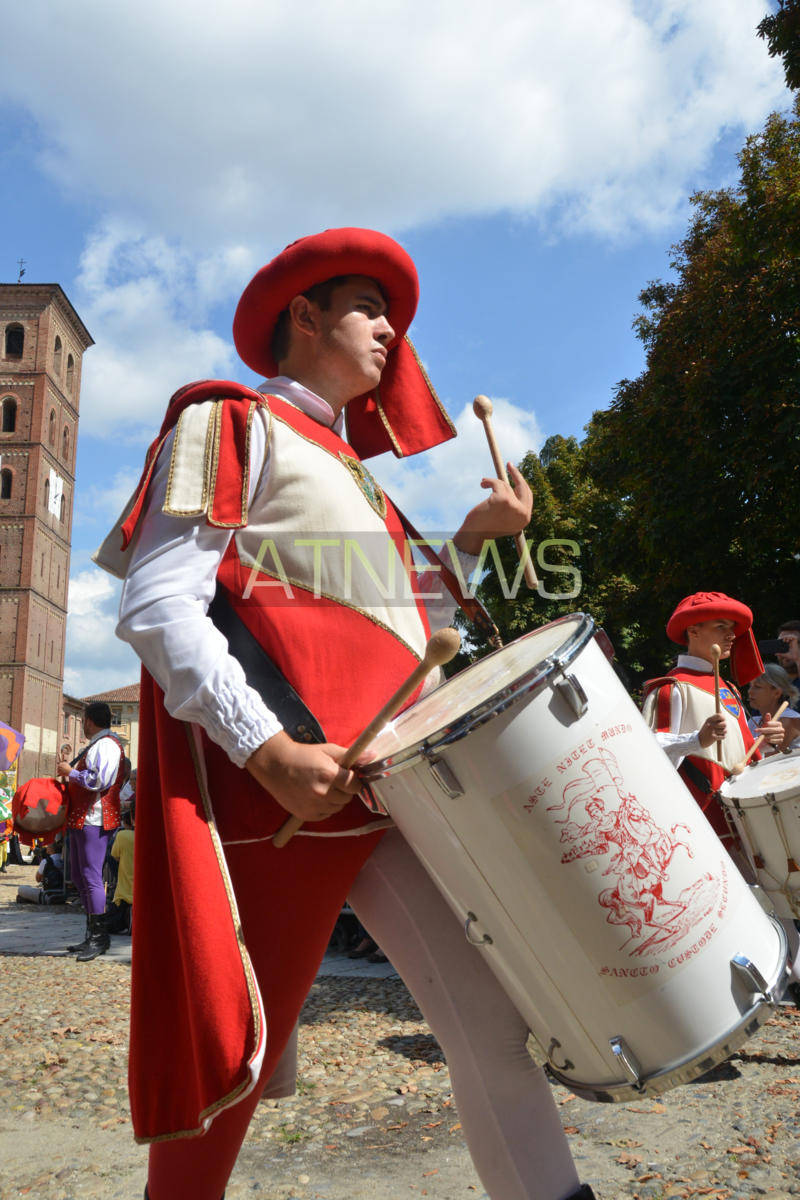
{"x":555,"y":1044}
{"x":485,"y":940}
{"x":570,"y":690}
{"x":752,"y":977}
{"x":627,"y":1060}
{"x":444,"y":774}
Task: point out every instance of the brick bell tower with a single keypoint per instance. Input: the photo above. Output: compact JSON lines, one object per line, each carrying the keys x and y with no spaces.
{"x":42,"y":341}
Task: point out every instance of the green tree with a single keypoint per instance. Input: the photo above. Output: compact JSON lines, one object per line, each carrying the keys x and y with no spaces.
{"x":575,"y":539}
{"x":781,"y":31}
{"x":703,"y":448}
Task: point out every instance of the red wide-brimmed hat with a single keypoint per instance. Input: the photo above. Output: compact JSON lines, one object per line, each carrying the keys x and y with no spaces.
{"x":403,"y":414}
{"x":746,"y":661}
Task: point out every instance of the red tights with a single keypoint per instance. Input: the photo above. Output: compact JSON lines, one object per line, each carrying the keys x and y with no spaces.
{"x":286,"y":949}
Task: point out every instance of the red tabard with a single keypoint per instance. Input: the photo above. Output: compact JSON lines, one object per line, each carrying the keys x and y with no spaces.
{"x":198,"y":1024}
{"x":712,"y":770}
{"x":81,"y":799}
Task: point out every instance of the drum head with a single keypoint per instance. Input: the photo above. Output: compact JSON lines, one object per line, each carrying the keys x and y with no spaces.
{"x":480,"y":691}
{"x":778,"y":775}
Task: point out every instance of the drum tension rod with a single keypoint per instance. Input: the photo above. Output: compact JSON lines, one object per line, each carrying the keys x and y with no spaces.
{"x":571,"y":692}
{"x":628,"y":1061}
{"x":443,"y":773}
{"x":752,"y":978}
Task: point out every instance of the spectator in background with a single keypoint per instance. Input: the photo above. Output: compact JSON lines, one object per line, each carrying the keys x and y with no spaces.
{"x":110,"y":864}
{"x":767,"y":693}
{"x":6,"y":828}
{"x":128,"y":792}
{"x":119,"y":917}
{"x":789,"y":632}
{"x":49,"y":876}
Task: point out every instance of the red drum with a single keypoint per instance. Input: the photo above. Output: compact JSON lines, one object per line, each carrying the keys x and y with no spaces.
{"x":39,"y":807}
{"x":563,"y":838}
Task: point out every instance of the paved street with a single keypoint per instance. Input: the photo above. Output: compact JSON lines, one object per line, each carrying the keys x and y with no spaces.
{"x":374,"y":1114}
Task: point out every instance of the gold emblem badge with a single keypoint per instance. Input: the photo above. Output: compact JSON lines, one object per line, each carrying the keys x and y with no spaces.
{"x":365,"y":481}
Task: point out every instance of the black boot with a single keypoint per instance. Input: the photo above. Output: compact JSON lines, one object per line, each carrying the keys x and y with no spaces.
{"x":584,"y":1192}
{"x":99,"y":941}
{"x":76,"y":949}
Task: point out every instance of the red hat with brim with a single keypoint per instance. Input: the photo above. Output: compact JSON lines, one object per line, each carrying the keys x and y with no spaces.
{"x":403,"y":413}
{"x":746,"y":663}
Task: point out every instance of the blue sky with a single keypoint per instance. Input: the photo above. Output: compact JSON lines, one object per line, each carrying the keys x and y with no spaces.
{"x":534,"y":159}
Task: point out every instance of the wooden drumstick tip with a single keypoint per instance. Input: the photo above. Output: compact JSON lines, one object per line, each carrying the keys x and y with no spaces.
{"x":441,"y":648}
{"x":482,"y":407}
{"x":737,"y":768}
{"x":716,"y":653}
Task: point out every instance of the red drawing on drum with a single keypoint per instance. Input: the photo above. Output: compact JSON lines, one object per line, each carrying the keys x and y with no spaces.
{"x":615,"y":823}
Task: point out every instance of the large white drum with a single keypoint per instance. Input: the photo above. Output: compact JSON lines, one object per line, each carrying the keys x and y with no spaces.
{"x":764,"y":805}
{"x":580,"y":866}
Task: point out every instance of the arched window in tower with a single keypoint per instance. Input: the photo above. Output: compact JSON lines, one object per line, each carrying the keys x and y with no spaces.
{"x":47,"y":493}
{"x":6,"y":480}
{"x":52,"y":428}
{"x":70,"y":372}
{"x":65,"y":444}
{"x":57,"y":356}
{"x":62,"y":509}
{"x":15,"y":341}
{"x":9,"y":423}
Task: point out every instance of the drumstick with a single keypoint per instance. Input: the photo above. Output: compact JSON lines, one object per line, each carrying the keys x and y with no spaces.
{"x":441,"y":647}
{"x":715,"y":655}
{"x":740,"y":766}
{"x":483,"y":408}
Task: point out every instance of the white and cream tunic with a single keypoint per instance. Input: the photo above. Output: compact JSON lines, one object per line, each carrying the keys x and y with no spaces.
{"x":171,"y":568}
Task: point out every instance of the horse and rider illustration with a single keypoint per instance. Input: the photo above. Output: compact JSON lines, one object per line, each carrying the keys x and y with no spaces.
{"x":612,"y":822}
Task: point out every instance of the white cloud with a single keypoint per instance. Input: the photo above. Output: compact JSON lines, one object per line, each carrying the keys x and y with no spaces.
{"x":249,"y":123}
{"x":231,"y":130}
{"x":146,"y":301}
{"x":437,"y":489}
{"x":96,"y":659}
{"x":100,"y":504}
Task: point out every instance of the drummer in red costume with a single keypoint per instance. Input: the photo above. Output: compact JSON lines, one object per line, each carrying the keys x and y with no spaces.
{"x":248,"y":494}
{"x":681,"y":706}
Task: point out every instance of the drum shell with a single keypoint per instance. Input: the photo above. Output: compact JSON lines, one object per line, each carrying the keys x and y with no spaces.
{"x":764,"y":805}
{"x":496,"y":853}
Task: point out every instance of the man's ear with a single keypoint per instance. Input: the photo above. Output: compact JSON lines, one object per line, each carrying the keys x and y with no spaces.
{"x":304,"y":315}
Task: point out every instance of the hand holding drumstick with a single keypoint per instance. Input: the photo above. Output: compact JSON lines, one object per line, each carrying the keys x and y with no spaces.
{"x":441,"y":648}
{"x":767,"y":735}
{"x":507,"y":510}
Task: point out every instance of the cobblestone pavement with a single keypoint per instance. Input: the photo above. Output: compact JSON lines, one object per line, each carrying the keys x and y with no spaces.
{"x":374,"y":1114}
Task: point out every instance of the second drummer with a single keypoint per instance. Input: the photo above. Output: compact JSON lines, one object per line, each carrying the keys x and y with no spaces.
{"x":680,"y":707}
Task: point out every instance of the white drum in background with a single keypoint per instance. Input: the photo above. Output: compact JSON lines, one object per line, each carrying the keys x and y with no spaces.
{"x":764,"y":805}
{"x":580,"y":866}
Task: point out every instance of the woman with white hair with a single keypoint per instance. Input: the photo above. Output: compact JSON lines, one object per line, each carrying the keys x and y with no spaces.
{"x":767,"y":693}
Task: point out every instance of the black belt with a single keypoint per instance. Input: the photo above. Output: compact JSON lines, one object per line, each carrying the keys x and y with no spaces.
{"x":262,"y":675}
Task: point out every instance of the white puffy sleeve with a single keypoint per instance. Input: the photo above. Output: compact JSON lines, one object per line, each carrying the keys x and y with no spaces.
{"x":169,"y":585}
